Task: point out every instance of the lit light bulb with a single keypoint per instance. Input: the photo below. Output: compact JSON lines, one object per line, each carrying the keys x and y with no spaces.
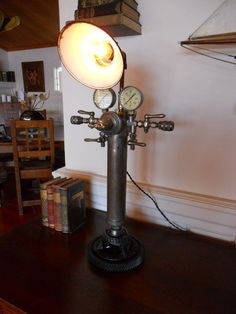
{"x":90,"y":55}
{"x":103,"y":53}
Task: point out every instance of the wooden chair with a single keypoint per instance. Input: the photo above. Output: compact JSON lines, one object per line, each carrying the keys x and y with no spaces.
{"x":34,"y":156}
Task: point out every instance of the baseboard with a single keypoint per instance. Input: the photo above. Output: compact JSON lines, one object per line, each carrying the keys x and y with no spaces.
{"x":206,"y":215}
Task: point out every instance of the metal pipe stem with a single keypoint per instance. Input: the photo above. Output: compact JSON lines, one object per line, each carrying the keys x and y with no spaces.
{"x":116,"y":179}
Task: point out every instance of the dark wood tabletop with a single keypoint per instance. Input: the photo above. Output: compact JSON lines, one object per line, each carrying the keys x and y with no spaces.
{"x":43,"y":271}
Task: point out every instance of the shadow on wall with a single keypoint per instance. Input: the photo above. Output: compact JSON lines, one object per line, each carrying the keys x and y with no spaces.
{"x":142,"y":78}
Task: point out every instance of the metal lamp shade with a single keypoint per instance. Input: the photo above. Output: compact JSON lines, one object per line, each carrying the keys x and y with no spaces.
{"x":90,"y":55}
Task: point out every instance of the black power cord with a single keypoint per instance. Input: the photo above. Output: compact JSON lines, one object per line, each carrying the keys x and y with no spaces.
{"x":173,"y":224}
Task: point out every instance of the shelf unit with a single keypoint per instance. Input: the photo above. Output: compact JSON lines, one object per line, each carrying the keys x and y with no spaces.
{"x":7,"y":85}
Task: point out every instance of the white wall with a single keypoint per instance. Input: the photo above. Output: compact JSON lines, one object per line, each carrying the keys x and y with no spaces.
{"x":4,"y":66}
{"x":194,"y":91}
{"x":51,"y":60}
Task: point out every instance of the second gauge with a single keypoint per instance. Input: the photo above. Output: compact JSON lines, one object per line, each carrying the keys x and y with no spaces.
{"x":104,"y":98}
{"x":131,"y":98}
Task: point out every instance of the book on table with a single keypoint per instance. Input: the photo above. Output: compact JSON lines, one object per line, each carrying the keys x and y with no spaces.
{"x":50,"y":201}
{"x":116,"y":7}
{"x":44,"y":199}
{"x":72,"y":206}
{"x":57,"y":203}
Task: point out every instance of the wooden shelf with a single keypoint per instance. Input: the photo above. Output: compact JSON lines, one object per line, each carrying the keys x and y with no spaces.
{"x":116,"y":25}
{"x":7,"y":85}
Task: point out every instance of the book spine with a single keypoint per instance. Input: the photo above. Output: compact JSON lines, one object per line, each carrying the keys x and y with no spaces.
{"x":4,"y":76}
{"x":44,"y":200}
{"x":92,"y":3}
{"x":73,"y":207}
{"x":95,"y":3}
{"x":110,"y":8}
{"x":132,"y":3}
{"x":64,"y":211}
{"x":11,"y":76}
{"x":50,"y":202}
{"x":57,"y":209}
{"x":44,"y":206}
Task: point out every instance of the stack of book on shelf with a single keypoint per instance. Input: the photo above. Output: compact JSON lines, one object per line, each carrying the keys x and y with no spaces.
{"x":117,"y":17}
{"x":62,"y":203}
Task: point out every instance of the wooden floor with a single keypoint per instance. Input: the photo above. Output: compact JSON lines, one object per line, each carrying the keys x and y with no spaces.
{"x":9,"y":217}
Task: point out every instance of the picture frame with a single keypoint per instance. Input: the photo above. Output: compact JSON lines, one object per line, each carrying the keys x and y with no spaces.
{"x":33,"y":76}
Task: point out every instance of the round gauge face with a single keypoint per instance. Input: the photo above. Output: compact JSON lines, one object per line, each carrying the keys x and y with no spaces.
{"x":104,"y":98}
{"x":131,"y":98}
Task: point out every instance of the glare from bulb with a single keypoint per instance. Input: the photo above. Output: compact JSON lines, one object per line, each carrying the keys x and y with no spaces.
{"x":103,"y":52}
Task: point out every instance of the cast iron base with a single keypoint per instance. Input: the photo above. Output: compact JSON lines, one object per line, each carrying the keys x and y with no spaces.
{"x":118,"y":253}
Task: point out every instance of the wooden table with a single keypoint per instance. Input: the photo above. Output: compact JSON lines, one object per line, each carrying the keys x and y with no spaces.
{"x":46,"y":272}
{"x":6,"y":153}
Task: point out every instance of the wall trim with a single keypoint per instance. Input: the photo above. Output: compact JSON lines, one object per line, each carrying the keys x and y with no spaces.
{"x":202,"y":214}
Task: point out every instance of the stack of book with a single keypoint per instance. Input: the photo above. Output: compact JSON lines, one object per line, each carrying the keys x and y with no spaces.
{"x":117,"y":17}
{"x":62,"y":203}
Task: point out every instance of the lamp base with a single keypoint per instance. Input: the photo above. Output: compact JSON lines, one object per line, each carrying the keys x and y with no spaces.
{"x":117,"y":253}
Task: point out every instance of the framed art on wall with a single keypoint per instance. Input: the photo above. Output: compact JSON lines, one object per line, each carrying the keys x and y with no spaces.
{"x":33,"y":76}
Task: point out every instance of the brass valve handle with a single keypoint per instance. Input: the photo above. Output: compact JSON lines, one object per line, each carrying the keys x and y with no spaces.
{"x":90,"y":113}
{"x":80,"y":120}
{"x":136,"y":143}
{"x":102,"y":139}
{"x":97,"y":140}
{"x":157,"y":115}
{"x":162,"y":125}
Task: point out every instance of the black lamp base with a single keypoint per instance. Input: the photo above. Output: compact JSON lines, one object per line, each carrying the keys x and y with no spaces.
{"x":116,"y":253}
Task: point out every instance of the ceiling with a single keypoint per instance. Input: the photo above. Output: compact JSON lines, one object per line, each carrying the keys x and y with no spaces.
{"x":39,"y":26}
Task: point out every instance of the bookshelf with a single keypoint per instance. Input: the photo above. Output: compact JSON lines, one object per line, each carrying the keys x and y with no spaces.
{"x":116,"y":25}
{"x":118,"y":18}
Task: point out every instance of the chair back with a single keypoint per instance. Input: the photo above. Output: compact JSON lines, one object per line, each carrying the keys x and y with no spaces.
{"x":33,"y":139}
{"x":33,"y":152}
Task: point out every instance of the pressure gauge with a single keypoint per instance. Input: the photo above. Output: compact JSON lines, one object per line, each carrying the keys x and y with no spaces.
{"x":104,"y":98}
{"x":131,"y":98}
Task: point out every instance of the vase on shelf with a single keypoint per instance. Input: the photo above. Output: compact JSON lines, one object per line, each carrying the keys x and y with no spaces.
{"x":28,"y":115}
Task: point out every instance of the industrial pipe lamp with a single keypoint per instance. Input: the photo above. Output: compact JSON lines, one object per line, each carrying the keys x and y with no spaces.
{"x":92,"y":57}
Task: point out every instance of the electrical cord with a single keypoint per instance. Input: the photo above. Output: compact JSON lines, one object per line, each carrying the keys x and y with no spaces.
{"x":173,"y":224}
